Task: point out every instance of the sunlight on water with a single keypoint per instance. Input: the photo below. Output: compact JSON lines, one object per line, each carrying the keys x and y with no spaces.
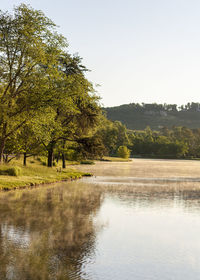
{"x":120,"y":224}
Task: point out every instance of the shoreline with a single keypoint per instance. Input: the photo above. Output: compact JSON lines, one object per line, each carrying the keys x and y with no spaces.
{"x":35,"y":185}
{"x":38,"y":177}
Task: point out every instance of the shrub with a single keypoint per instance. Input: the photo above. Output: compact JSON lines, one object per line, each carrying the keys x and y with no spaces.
{"x":87,"y":174}
{"x":123,"y":152}
{"x":14,"y":171}
{"x":11,"y":171}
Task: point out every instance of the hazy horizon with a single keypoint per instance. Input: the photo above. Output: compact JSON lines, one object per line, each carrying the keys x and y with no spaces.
{"x":138,"y":51}
{"x":159,"y":103}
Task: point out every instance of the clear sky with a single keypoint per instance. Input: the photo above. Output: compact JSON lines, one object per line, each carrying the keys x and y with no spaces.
{"x":138,"y":50}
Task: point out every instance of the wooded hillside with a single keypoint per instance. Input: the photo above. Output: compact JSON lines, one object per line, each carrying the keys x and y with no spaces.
{"x":156,"y":116}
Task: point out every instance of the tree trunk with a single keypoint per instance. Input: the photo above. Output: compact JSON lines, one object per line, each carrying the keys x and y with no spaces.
{"x":63,"y":160}
{"x":25,"y":156}
{"x":57,"y":158}
{"x":63,"y":155}
{"x":2,"y":146}
{"x":50,"y":149}
{"x":50,"y":157}
{"x":5,"y":158}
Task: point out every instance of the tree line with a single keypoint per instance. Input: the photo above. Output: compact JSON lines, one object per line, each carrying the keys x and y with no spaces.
{"x":190,"y":106}
{"x":139,"y":116}
{"x":177,"y":142}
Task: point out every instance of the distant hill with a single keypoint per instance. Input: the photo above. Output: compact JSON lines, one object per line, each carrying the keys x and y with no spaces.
{"x":139,"y":116}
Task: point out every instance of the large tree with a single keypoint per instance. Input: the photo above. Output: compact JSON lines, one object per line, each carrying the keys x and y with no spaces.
{"x":29,"y":72}
{"x":76,"y":113}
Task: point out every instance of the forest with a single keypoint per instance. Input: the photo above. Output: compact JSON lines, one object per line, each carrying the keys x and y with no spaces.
{"x":175,"y":142}
{"x":139,"y":116}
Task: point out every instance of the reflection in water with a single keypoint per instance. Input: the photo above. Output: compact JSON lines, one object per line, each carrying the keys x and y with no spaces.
{"x":45,"y":233}
{"x":107,"y":227}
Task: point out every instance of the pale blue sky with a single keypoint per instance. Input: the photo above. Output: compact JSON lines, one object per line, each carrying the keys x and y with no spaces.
{"x":138,"y":50}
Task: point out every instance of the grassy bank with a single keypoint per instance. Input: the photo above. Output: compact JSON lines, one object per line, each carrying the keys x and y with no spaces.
{"x":34,"y":174}
{"x":116,"y":159}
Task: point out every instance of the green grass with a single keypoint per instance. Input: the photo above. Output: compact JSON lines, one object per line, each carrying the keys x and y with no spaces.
{"x":116,"y":159}
{"x":34,"y":174}
{"x":87,"y":162}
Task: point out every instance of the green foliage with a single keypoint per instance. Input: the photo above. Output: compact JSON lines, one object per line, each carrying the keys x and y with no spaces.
{"x":11,"y":171}
{"x":112,"y":135}
{"x":14,"y":171}
{"x":123,"y":152}
{"x":139,"y":116}
{"x":87,"y":175}
{"x":43,"y":83}
{"x":115,"y":159}
{"x":17,"y":176}
{"x":166,"y":144}
{"x":90,"y":147}
{"x":29,"y":71}
{"x":71,"y":154}
{"x":87,"y":162}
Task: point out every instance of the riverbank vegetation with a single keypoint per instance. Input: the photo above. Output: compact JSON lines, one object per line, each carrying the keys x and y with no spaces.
{"x":177,"y":142}
{"x":115,"y":159}
{"x":15,"y":175}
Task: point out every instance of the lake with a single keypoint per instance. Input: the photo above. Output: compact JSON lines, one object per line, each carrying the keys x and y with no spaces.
{"x":136,"y":220}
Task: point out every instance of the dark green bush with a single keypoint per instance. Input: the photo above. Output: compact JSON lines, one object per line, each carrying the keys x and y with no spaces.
{"x":11,"y":171}
{"x":87,"y":174}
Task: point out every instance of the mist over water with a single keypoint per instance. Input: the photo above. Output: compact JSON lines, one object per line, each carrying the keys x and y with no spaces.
{"x":137,"y":220}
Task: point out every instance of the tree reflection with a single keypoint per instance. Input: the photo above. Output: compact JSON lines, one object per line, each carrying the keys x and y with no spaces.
{"x":45,"y":233}
{"x":49,"y":232}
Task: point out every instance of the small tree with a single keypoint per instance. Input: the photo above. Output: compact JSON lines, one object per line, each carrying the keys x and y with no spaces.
{"x":123,"y":152}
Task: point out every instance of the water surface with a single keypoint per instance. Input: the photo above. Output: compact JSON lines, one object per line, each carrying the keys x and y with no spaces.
{"x":137,"y":220}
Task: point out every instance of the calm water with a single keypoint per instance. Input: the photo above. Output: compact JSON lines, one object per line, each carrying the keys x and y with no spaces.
{"x":137,"y":220}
